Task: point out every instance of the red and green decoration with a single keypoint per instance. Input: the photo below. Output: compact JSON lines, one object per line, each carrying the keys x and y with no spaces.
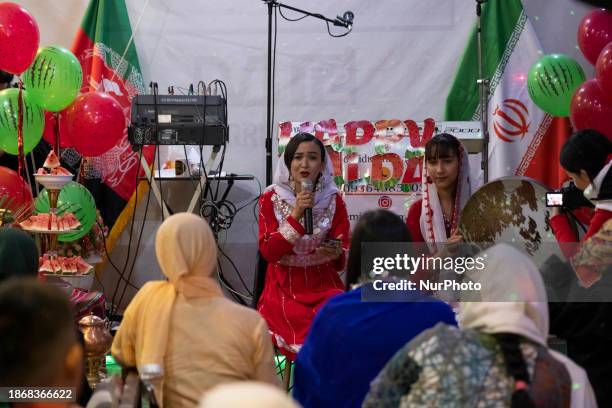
{"x":110,"y":66}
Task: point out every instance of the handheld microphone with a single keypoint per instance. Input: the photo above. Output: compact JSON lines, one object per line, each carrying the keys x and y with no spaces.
{"x":307,"y":186}
{"x":346,"y":20}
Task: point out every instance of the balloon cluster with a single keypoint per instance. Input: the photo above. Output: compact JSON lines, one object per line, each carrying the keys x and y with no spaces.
{"x":557,"y":83}
{"x":91,"y":122}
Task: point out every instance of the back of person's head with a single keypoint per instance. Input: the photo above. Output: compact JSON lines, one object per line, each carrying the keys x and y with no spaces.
{"x":246,"y":394}
{"x":38,"y":345}
{"x":586,"y":150}
{"x":185,"y":245}
{"x":511,"y":306}
{"x":373,"y":226}
{"x":18,"y":254}
{"x":5,"y":79}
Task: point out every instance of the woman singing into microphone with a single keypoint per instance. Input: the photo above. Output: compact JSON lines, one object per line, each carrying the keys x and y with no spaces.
{"x":303,"y":269}
{"x":446,"y":188}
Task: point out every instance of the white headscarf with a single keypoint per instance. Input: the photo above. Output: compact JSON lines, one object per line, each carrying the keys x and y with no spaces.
{"x":246,"y":394}
{"x":593,"y":190}
{"x":324,"y":189}
{"x":432,"y":218}
{"x":513,"y":300}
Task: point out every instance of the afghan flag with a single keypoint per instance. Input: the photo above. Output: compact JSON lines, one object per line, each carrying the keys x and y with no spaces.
{"x":104,"y":45}
{"x":523,"y":140}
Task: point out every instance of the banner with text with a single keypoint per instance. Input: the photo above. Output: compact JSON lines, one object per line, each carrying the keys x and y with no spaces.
{"x":379,"y":164}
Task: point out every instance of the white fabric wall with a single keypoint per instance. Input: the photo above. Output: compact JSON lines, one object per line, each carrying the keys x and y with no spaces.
{"x":398,"y":62}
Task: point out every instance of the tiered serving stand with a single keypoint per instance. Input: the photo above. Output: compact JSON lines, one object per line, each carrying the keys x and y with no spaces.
{"x":48,"y":238}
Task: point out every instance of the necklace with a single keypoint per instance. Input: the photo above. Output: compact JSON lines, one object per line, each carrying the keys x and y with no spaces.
{"x":447,"y":220}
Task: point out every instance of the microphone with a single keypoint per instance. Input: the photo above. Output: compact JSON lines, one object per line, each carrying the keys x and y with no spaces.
{"x":346,"y":20}
{"x":307,"y":186}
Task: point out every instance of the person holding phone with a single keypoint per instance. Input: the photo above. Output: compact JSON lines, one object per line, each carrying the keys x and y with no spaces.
{"x":303,"y":269}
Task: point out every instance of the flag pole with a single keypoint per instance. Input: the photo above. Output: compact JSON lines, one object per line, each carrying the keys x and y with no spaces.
{"x":483,"y":92}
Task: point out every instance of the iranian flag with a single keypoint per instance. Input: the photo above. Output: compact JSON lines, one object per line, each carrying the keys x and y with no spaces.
{"x":523,"y":140}
{"x":104,"y":46}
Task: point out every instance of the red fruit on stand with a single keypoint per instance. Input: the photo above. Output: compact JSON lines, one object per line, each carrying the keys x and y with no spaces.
{"x":19,"y":38}
{"x":94,"y":123}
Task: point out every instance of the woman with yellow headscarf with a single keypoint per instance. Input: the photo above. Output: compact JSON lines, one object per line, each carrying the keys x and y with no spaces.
{"x":182,"y":334}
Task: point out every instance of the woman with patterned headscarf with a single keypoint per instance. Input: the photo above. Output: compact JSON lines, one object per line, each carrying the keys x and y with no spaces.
{"x":498,"y":357}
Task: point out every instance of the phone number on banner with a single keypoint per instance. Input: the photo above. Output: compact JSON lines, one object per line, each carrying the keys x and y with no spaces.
{"x":37,"y":394}
{"x":370,"y":189}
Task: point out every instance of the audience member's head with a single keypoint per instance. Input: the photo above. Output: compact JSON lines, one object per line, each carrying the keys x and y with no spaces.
{"x":38,"y":345}
{"x":584,"y":155}
{"x":246,"y":394}
{"x":5,"y":79}
{"x":373,"y":226}
{"x":18,"y":254}
{"x":512,"y":305}
{"x":185,"y":247}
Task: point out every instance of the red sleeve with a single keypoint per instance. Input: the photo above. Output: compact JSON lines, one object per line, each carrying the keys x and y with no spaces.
{"x":413,"y":221}
{"x":562,"y":229}
{"x":599,"y":219}
{"x":565,"y":234}
{"x":275,"y":240}
{"x":340,"y":227}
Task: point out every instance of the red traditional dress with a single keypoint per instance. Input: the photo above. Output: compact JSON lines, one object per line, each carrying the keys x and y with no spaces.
{"x":298,"y":280}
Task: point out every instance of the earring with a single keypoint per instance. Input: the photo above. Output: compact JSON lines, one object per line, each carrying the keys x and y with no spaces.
{"x":429,"y":180}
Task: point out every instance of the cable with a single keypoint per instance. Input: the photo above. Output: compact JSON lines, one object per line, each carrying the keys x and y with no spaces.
{"x":162,"y":203}
{"x":237,"y":272}
{"x":236,"y":295}
{"x":144,"y":219}
{"x":111,"y":261}
{"x":290,"y":19}
{"x":340,"y":35}
{"x":271,"y":130}
{"x":121,"y":274}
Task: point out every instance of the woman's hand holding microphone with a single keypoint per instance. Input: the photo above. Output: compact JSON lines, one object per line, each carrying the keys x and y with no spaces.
{"x":303,"y":200}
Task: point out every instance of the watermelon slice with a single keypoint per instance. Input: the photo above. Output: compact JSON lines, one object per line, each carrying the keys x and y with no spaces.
{"x":46,"y":267}
{"x":52,"y":161}
{"x":60,"y":171}
{"x":81,"y":265}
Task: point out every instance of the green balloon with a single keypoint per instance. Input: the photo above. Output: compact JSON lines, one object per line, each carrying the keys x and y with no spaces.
{"x":75,"y":198}
{"x":552,"y":81}
{"x":33,"y":121}
{"x":54,"y":78}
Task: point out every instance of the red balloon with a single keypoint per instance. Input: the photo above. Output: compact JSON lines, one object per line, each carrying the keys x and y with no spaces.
{"x":15,"y":193}
{"x":94,"y":123}
{"x":19,"y":38}
{"x":603,"y":71}
{"x":49,"y":131}
{"x":594,"y":33}
{"x":590,"y":109}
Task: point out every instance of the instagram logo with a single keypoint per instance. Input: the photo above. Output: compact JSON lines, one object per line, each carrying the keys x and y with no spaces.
{"x":384,"y":202}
